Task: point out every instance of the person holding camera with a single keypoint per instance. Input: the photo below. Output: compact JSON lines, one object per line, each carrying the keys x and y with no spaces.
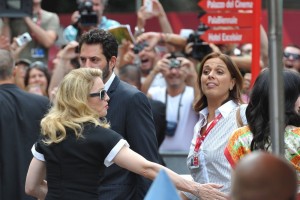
{"x":42,"y":28}
{"x":89,"y":15}
{"x":145,"y":59}
{"x":157,"y":11}
{"x":178,"y":97}
{"x":243,"y":62}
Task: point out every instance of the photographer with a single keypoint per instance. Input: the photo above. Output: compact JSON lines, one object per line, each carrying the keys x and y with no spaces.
{"x":178,"y":95}
{"x":42,"y":27}
{"x":145,"y":59}
{"x":88,"y":15}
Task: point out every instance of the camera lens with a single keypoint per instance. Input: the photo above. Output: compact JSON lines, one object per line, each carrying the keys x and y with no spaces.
{"x":174,"y":63}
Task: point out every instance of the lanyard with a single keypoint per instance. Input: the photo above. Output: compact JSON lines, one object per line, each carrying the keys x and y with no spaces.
{"x":179,"y":104}
{"x":201,"y":138}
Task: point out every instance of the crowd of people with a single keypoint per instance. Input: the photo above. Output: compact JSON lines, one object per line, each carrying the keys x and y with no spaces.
{"x":95,"y":125}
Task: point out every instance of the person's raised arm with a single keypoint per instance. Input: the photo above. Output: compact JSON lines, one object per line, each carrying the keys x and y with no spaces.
{"x":134,"y":162}
{"x":158,"y":11}
{"x":45,"y":37}
{"x":264,"y":47}
{"x":189,"y":68}
{"x":5,"y":28}
{"x":125,"y":54}
{"x":63,"y":65}
{"x":153,"y":38}
{"x":160,"y":66}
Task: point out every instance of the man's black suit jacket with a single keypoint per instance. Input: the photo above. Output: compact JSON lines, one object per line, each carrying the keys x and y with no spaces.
{"x":20,"y":116}
{"x":130,"y":115}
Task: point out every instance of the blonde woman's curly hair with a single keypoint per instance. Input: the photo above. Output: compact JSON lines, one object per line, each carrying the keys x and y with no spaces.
{"x":70,"y":109}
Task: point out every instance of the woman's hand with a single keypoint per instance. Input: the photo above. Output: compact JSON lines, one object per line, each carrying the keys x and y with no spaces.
{"x":210,"y":192}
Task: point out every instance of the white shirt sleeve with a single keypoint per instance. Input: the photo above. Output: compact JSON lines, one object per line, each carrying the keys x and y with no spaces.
{"x":112,"y":154}
{"x":36,"y":154}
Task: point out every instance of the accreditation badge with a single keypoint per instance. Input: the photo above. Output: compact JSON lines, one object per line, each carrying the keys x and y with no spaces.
{"x":195,"y":161}
{"x":37,"y":53}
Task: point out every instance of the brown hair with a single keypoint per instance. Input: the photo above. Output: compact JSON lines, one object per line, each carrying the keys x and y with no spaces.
{"x":234,"y":94}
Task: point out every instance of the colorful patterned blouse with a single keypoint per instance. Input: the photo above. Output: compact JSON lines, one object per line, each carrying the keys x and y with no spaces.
{"x":239,"y":145}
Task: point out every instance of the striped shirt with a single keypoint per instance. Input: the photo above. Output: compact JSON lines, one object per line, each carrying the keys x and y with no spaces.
{"x":214,"y":167}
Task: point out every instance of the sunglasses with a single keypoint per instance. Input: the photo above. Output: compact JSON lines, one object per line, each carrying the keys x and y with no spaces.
{"x":100,"y":94}
{"x":293,"y":55}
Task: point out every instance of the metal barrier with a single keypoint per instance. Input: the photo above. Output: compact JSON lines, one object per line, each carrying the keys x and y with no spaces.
{"x":176,"y":161}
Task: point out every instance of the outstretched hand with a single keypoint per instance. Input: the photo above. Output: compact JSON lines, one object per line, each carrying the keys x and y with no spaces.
{"x":210,"y":192}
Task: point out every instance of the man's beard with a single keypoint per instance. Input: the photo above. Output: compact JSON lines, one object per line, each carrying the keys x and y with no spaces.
{"x":105,"y":72}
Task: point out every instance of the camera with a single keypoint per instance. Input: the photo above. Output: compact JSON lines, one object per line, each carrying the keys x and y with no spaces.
{"x":174,"y":62}
{"x":23,"y":39}
{"x":199,"y":48}
{"x":87,"y":16}
{"x":138,"y":47}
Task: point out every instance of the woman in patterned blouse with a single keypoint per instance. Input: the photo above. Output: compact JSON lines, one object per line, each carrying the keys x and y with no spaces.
{"x":256,"y":136}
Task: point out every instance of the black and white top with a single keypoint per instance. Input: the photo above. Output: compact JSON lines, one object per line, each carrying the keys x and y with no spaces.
{"x":75,"y":166}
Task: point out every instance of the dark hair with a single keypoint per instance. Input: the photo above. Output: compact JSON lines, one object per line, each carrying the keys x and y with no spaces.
{"x":235,"y":93}
{"x":98,"y":36}
{"x":257,"y":112}
{"x":41,"y":67}
{"x":132,"y":73}
{"x":23,"y":61}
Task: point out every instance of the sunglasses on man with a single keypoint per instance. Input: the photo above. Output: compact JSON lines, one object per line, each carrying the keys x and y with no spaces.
{"x":100,"y":94}
{"x":292,"y":55}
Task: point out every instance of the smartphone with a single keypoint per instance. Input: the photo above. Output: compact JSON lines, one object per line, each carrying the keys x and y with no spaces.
{"x":149,"y":5}
{"x":23,"y":39}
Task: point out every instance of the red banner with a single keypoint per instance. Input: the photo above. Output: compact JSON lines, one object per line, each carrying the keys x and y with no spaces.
{"x":227,"y":36}
{"x":217,"y":5}
{"x":228,"y":19}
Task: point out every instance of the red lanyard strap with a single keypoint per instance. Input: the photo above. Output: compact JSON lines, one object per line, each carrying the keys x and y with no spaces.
{"x":201,"y":138}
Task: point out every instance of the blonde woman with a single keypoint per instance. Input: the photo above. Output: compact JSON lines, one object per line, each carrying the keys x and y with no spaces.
{"x":76,"y":146}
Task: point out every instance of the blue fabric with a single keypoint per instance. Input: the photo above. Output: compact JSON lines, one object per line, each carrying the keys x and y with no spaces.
{"x":162,"y":188}
{"x":70,"y":32}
